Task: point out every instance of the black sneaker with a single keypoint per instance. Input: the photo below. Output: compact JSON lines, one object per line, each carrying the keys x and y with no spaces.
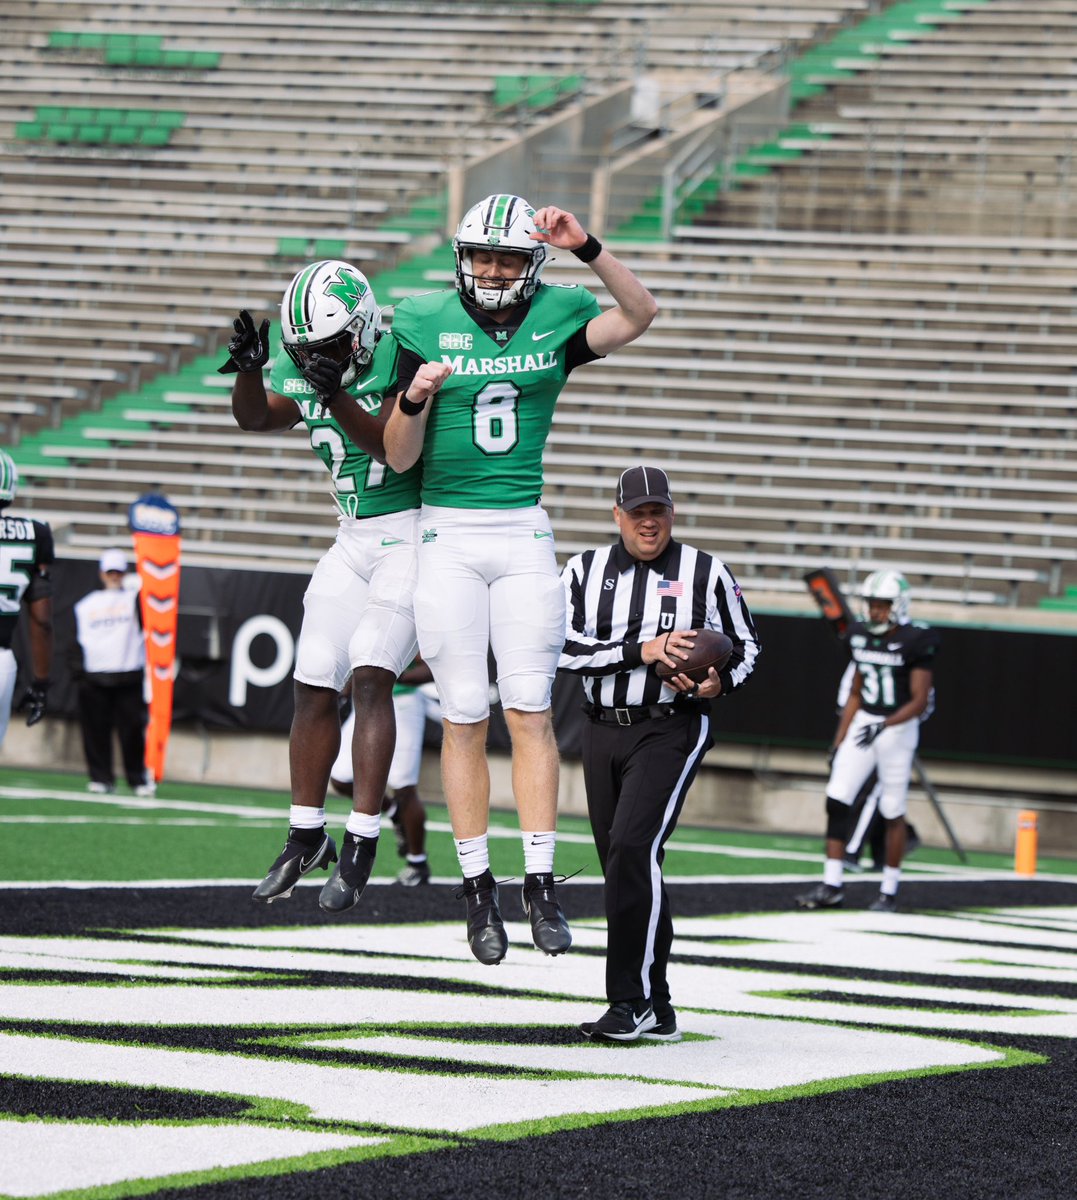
{"x":883,"y":903}
{"x":624,"y":1021}
{"x":666,"y":1028}
{"x":821,"y":896}
{"x":297,"y":859}
{"x":549,"y":929}
{"x":485,"y":930}
{"x":415,"y":874}
{"x":348,"y":880}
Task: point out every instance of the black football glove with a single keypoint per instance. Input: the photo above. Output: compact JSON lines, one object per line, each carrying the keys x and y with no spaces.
{"x":248,"y":349}
{"x":869,"y":733}
{"x":33,"y":701}
{"x":324,"y":375}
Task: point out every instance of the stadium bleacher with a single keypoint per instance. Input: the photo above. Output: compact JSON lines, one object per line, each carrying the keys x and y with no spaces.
{"x":863,"y":349}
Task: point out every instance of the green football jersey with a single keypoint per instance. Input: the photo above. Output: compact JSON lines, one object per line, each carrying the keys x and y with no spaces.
{"x":489,"y":422}
{"x":364,"y":487}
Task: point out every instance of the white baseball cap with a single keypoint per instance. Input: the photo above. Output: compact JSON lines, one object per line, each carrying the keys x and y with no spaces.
{"x":113,"y":560}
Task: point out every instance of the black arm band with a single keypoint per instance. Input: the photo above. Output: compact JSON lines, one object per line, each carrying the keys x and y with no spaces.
{"x":590,"y":249}
{"x":410,"y":409}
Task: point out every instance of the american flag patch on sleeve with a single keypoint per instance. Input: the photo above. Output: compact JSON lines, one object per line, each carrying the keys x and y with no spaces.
{"x":671,"y":587}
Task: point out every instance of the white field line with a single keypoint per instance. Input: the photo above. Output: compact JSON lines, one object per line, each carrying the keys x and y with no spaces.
{"x":249,"y":812}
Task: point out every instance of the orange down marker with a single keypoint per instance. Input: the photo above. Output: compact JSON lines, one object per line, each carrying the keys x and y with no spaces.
{"x":1025,"y":856}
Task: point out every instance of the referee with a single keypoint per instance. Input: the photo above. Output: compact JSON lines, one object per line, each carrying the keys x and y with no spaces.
{"x":631,"y":605}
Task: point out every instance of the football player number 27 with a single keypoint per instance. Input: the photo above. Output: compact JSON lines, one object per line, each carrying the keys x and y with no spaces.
{"x":329,"y":446}
{"x":493,"y":423}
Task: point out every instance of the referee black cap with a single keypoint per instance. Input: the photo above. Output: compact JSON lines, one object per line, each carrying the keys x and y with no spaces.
{"x":643,"y":485}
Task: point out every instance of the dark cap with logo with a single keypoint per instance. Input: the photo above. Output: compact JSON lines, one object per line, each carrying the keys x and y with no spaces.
{"x":643,"y":485}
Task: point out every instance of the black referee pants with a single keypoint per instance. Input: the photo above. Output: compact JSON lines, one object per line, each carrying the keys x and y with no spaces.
{"x":637,"y":777}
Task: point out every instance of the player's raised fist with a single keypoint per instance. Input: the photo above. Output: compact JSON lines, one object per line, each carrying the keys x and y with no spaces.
{"x":558,"y":228}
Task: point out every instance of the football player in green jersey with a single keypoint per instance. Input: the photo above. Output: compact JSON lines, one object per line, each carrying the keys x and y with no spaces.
{"x":358,"y":617}
{"x":479,"y":375}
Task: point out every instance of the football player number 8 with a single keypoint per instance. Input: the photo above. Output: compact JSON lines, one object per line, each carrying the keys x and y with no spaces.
{"x":494,"y":426}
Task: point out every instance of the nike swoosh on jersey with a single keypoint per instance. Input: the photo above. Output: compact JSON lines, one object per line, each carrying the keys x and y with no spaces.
{"x":391,"y":541}
{"x":539,"y":533}
{"x":537,"y":337}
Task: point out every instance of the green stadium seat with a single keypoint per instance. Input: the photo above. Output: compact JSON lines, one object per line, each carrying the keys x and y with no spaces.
{"x":62,"y":39}
{"x":152,"y":136}
{"x":330,"y":248}
{"x":30,"y":131}
{"x":60,"y":131}
{"x":205,"y":60}
{"x":91,"y":135}
{"x":291,"y":247}
{"x":122,"y":135}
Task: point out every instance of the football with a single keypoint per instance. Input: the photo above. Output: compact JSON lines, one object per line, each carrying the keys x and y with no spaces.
{"x":710,"y":649}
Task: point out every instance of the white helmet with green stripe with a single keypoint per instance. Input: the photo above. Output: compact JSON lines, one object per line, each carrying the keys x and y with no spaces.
{"x":892,"y":586}
{"x":329,"y":309}
{"x":501,"y":222}
{"x":9,"y":479}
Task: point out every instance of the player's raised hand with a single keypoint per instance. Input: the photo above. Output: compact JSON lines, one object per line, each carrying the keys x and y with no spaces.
{"x":558,"y":228}
{"x":427,"y":382}
{"x":248,"y":348}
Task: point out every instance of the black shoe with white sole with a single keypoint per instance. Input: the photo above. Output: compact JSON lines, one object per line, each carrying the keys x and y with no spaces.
{"x":298,"y":858}
{"x":485,"y":930}
{"x":624,"y":1021}
{"x":821,"y":896}
{"x":348,"y":880}
{"x":549,"y":929}
{"x":666,"y":1028}
{"x":883,"y":903}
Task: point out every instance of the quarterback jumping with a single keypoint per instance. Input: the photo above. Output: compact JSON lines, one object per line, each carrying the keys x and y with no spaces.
{"x":480,"y":372}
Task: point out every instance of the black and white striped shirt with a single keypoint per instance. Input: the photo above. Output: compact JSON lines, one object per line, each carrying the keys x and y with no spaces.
{"x":616,"y":603}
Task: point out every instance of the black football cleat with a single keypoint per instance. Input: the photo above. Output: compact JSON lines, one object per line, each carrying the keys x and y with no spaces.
{"x":883,"y":903}
{"x":346,"y":884}
{"x":549,"y":929}
{"x":624,"y":1021}
{"x":485,"y":930}
{"x":415,"y":874}
{"x":822,"y":896}
{"x":296,"y":860}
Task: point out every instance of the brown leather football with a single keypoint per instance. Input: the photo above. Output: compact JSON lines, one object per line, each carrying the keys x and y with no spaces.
{"x":710,"y":649}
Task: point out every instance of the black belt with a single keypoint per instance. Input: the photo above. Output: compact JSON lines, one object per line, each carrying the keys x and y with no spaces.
{"x":643,"y":712}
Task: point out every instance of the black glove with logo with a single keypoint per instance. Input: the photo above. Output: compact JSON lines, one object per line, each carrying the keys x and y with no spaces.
{"x":869,"y":733}
{"x":248,"y":349}
{"x":33,"y":701}
{"x":324,"y":375}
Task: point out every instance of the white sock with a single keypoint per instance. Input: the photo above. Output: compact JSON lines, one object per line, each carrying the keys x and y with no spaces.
{"x":306,"y":816}
{"x":474,"y":855}
{"x":538,"y":852}
{"x":363,"y":824}
{"x":416,"y":858}
{"x":833,"y":870}
{"x":891,"y":878}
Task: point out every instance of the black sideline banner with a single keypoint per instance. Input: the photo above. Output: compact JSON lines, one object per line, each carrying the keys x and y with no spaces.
{"x":1002,"y":695}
